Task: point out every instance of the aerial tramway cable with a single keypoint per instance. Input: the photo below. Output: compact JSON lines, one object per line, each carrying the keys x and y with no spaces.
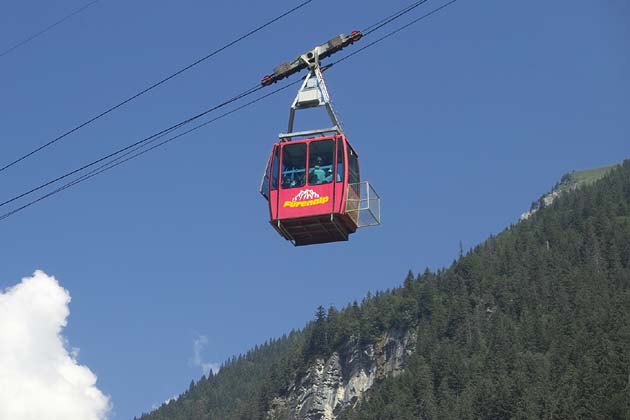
{"x":151,"y":87}
{"x":46,"y":29}
{"x":135,"y":150}
{"x":392,"y":33}
{"x":387,"y":20}
{"x":133,"y":145}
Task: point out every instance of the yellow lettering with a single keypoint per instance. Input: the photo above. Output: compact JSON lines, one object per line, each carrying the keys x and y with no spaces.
{"x":308,"y":203}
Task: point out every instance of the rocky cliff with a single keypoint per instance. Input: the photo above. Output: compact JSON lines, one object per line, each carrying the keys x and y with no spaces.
{"x":331,"y":385}
{"x":568,"y":182}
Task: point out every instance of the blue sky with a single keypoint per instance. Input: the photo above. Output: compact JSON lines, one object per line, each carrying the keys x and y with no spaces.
{"x":460,"y":122}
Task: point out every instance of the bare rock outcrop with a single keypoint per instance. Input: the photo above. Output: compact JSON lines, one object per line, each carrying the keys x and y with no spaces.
{"x":331,"y":385}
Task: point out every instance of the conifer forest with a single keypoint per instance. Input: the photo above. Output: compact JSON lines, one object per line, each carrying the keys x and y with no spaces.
{"x":533,"y":323}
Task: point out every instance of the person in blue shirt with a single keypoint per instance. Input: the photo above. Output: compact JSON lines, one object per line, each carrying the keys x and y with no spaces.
{"x":317,"y":175}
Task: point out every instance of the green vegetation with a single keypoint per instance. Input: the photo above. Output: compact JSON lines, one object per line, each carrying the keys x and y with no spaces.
{"x":532,"y":324}
{"x":585,"y":177}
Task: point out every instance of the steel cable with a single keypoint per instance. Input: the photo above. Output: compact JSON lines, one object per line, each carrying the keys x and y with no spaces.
{"x":153,"y":86}
{"x":135,"y":150}
{"x":133,"y":145}
{"x":387,"y":20}
{"x":46,"y":29}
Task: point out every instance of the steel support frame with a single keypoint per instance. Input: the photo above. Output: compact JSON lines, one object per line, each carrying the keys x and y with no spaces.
{"x":316,"y":72}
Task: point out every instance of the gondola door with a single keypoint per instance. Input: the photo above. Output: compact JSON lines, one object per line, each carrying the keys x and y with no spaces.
{"x":306,"y":186}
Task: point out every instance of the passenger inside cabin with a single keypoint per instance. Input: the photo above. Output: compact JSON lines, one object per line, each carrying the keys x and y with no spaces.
{"x":329,"y":175}
{"x":317,"y":174}
{"x":293,"y":165}
{"x":320,"y":163}
{"x":293,"y":180}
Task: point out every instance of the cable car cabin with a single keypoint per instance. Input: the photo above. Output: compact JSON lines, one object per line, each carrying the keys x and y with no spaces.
{"x":313,"y":189}
{"x":312,"y":178}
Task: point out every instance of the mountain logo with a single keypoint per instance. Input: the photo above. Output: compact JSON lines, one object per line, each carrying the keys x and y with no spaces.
{"x":305,"y":195}
{"x":306,"y":198}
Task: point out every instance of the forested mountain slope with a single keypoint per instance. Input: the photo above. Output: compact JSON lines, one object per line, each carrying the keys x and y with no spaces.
{"x":533,"y":323}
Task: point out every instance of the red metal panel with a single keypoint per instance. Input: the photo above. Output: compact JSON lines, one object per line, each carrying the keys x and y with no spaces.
{"x":344,"y":176}
{"x":305,"y":201}
{"x":314,"y":213}
{"x":273,"y":204}
{"x":339,"y":204}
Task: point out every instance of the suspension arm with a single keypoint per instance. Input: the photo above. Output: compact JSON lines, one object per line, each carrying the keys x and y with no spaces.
{"x":311,"y":58}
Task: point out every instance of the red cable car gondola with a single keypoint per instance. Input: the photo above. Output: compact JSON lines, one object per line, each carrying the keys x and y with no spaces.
{"x":312,"y":181}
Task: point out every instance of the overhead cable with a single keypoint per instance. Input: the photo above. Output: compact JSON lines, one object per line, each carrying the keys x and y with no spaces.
{"x":392,"y":33}
{"x":137,"y":152}
{"x":153,"y":86}
{"x":137,"y":143}
{"x":46,"y":29}
{"x":133,"y":151}
{"x":389,"y":19}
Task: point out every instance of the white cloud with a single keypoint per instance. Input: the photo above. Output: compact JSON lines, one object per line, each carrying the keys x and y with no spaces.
{"x":199,"y":342}
{"x":40,"y":377}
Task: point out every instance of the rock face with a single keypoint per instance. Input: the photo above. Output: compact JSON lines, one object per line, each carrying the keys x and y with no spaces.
{"x":341,"y":381}
{"x":568,"y":182}
{"x":544,"y":201}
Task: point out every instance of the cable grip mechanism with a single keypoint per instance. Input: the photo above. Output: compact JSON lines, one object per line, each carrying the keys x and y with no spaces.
{"x":311,"y":59}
